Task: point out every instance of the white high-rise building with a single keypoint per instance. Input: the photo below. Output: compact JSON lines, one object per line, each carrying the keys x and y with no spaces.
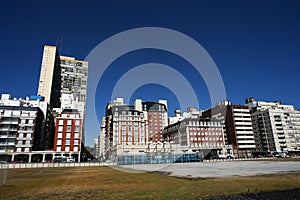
{"x":74,"y":75}
{"x":276,"y":126}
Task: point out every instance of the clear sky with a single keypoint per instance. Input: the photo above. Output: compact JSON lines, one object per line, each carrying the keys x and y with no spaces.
{"x":255,"y":45}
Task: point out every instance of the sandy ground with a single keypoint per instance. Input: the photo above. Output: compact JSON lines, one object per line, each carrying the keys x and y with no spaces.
{"x":218,"y":169}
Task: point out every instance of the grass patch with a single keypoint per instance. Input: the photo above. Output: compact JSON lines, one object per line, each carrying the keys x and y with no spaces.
{"x":108,"y":183}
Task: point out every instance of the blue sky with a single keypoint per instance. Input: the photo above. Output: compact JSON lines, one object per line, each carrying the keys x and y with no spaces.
{"x":255,"y":45}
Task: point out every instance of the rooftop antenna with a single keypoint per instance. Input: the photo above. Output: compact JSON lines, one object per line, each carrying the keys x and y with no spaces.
{"x":59,"y":42}
{"x":68,"y":49}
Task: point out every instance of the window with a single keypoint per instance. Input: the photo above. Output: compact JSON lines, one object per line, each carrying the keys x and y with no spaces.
{"x":77,"y":128}
{"x":67,"y":142}
{"x":58,"y":142}
{"x":61,"y":122}
{"x":77,"y":123}
{"x":69,"y":123}
{"x":60,"y":128}
{"x":75,"y":149}
{"x":76,"y":135}
{"x":58,"y":149}
{"x":68,"y":135}
{"x":69,"y":128}
{"x":59,"y":135}
{"x":75,"y":142}
{"x":67,"y":149}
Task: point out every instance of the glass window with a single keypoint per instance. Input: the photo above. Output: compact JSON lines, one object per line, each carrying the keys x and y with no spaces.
{"x":59,"y":135}
{"x":77,"y":128}
{"x":77,"y":123}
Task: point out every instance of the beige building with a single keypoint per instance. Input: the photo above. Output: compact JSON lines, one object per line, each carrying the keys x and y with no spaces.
{"x":50,"y":81}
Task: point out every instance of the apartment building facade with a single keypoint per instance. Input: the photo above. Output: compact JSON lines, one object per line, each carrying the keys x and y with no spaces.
{"x":50,"y":77}
{"x":74,"y":74}
{"x":63,"y":81}
{"x":237,"y":126}
{"x":68,"y":134}
{"x":135,"y":124}
{"x":24,"y":127}
{"x":276,"y":126}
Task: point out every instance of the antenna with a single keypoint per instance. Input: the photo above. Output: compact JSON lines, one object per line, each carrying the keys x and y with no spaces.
{"x":59,"y":42}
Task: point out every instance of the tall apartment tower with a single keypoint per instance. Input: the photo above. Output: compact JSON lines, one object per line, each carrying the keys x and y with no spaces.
{"x":74,"y":75}
{"x":237,"y":126}
{"x":50,"y":77}
{"x":63,"y":81}
{"x":276,"y":126}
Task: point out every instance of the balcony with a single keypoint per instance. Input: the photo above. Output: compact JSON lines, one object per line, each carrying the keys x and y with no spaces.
{"x":7,"y":144}
{"x":250,"y":146}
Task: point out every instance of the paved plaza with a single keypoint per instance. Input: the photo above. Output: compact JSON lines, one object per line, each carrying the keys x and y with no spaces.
{"x":217,"y":169}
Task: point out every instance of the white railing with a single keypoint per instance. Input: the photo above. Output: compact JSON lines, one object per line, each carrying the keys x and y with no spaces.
{"x":44,"y":165}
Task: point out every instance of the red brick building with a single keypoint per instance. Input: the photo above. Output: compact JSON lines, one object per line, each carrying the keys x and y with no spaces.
{"x":68,"y":133}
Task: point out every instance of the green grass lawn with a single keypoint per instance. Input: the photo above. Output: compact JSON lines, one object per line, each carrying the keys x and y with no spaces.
{"x":108,"y":183}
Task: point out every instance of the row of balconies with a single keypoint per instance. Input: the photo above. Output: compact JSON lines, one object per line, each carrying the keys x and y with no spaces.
{"x":9,"y":122}
{"x":8,"y":129}
{"x":7,"y":143}
{"x":7,"y":136}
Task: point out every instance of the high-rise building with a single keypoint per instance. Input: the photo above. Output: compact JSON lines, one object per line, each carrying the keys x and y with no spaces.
{"x":237,"y":126}
{"x":63,"y":81}
{"x":74,"y":75}
{"x":50,"y":77}
{"x":276,"y":126}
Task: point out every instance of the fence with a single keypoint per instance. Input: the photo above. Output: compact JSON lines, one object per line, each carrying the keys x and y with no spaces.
{"x":43,"y":165}
{"x":157,"y":158}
